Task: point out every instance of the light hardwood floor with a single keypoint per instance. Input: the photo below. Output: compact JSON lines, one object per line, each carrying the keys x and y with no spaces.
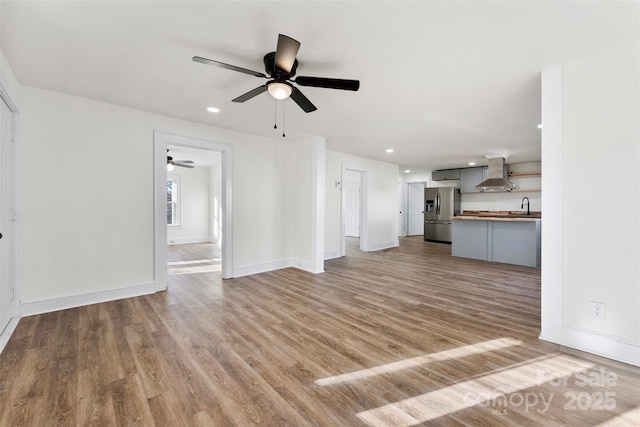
{"x":406,"y":336}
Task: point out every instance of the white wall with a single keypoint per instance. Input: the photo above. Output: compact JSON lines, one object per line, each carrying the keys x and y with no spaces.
{"x":383,"y":213}
{"x":8,"y":79}
{"x":195,"y":196}
{"x":306,"y":182}
{"x":600,"y":256}
{"x":501,"y":201}
{"x":87,"y":223}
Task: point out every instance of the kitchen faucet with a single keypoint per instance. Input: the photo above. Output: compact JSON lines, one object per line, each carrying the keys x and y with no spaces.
{"x":522,"y":205}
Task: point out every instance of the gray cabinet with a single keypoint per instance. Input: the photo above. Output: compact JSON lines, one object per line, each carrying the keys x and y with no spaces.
{"x":445,"y":175}
{"x":437,"y":176}
{"x":470,"y":177}
{"x":510,"y":242}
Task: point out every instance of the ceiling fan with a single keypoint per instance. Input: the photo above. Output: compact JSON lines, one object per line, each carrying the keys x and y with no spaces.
{"x":280,"y":67}
{"x":181,"y":163}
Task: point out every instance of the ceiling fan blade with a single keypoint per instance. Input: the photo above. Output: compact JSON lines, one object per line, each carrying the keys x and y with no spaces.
{"x":182,"y":165}
{"x":328,"y":83}
{"x":227,"y":66}
{"x":183,"y":161}
{"x":254,"y":92}
{"x":286,"y":52}
{"x":302,"y":101}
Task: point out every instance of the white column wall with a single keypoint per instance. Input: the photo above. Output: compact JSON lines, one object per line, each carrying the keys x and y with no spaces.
{"x":591,"y":199}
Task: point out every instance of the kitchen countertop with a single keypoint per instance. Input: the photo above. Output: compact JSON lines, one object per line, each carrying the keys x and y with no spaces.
{"x":514,"y":216}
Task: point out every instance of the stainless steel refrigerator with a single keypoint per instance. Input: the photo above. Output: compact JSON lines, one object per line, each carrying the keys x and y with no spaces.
{"x":440,"y":204}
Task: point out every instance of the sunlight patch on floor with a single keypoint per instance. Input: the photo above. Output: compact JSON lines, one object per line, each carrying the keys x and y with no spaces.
{"x":208,"y":265}
{"x":492,"y":390}
{"x":454,"y":353}
{"x":631,"y":418}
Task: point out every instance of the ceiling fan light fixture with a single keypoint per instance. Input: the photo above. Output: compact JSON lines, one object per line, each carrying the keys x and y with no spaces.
{"x":279,"y":90}
{"x":169,"y":167}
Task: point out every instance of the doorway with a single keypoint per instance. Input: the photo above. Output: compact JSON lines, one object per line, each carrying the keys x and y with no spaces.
{"x":415,"y":208}
{"x":353,"y":188}
{"x":194,"y":226}
{"x":220,"y":225}
{"x":354,"y":219}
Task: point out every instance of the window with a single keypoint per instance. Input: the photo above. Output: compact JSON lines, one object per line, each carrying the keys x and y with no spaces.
{"x":173,"y":200}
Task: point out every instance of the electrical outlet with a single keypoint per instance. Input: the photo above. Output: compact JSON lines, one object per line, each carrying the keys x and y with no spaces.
{"x":598,"y":310}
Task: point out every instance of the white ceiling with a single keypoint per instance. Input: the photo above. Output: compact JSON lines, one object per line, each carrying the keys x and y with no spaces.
{"x":442,"y":83}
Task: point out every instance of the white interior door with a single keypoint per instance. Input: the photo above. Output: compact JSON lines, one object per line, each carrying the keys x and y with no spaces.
{"x":352,"y":186}
{"x":6,"y":216}
{"x":415,"y":207}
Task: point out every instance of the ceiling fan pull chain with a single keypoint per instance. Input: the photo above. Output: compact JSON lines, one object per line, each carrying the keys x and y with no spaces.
{"x":275,"y":113}
{"x":283,"y":118}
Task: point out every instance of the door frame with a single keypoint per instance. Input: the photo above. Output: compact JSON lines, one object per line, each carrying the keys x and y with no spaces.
{"x":346,"y":182}
{"x":364,"y":208}
{"x":161,"y":140}
{"x":425,"y":184}
{"x":12,"y":202}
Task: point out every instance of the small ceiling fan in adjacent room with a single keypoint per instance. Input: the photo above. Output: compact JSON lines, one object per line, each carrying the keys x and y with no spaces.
{"x":180,"y":163}
{"x":280,"y":67}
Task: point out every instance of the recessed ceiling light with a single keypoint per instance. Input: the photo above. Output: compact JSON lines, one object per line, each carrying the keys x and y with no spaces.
{"x":213,"y":110}
{"x":407,"y":171}
{"x":389,"y":150}
{"x":472,"y":163}
{"x":540,"y":126}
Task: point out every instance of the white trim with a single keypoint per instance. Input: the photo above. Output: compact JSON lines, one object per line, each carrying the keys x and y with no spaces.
{"x":159,"y":214}
{"x":248,"y":270}
{"x":8,"y":331}
{"x":10,"y":99}
{"x":612,"y":337}
{"x":552,"y":196}
{"x":29,"y":308}
{"x":387,"y":245}
{"x":332,"y":254}
{"x":161,"y":140}
{"x":305,"y":265}
{"x":318,"y":171}
{"x":364,"y":208}
{"x":620,"y":349}
{"x":264,"y":267}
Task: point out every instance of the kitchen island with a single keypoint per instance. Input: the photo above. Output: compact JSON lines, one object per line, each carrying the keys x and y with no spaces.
{"x":508,"y":237}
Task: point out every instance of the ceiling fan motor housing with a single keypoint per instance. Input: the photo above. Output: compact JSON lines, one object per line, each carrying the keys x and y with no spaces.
{"x":276,"y":73}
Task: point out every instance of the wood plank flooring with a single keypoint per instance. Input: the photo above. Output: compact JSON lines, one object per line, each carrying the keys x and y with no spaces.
{"x":402,"y":337}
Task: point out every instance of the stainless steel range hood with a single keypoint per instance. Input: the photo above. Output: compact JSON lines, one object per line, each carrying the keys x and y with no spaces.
{"x":496,"y":180}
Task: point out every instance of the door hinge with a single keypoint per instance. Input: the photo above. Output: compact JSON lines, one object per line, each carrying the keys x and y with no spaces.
{"x":13,"y":294}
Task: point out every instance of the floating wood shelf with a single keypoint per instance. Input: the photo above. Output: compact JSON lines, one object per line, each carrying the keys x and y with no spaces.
{"x":516,"y":175}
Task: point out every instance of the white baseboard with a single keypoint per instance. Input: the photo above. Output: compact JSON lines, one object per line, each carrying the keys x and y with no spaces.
{"x":29,"y":308}
{"x":332,"y":254}
{"x":187,"y":240}
{"x":248,"y":270}
{"x":8,"y":331}
{"x":387,"y":245}
{"x":306,"y":266}
{"x":609,"y":346}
